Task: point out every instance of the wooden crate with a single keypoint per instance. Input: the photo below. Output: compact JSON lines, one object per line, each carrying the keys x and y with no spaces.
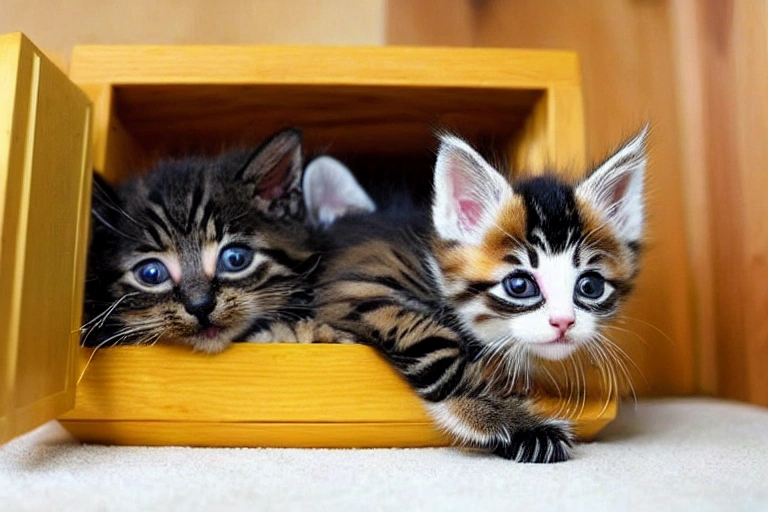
{"x":376,"y":107}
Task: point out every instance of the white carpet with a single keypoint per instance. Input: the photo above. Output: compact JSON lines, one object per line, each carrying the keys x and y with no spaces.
{"x":686,"y":454}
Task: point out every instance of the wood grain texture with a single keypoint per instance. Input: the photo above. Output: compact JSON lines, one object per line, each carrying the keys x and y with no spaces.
{"x":256,"y":435}
{"x":58,"y":27}
{"x":429,"y":22}
{"x":730,"y":45}
{"x":261,"y":395}
{"x":382,"y":66}
{"x":45,"y":175}
{"x":689,"y":66}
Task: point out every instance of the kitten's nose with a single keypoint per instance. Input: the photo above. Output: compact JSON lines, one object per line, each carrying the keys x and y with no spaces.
{"x":200,"y":307}
{"x":563,"y":323}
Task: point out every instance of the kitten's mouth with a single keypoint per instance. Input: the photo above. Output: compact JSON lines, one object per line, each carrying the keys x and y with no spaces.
{"x":210,"y":333}
{"x":554,"y":350}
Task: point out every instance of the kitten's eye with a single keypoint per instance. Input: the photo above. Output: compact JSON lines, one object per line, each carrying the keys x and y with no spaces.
{"x":520,"y":286}
{"x":235,"y":258}
{"x":151,"y":273}
{"x":590,"y":286}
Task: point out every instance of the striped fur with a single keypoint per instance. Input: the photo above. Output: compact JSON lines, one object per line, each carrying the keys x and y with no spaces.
{"x":430,"y":293}
{"x":185,"y":218}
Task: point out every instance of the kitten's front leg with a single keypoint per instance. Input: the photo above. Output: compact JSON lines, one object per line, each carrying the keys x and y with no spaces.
{"x":437,"y":362}
{"x":480,"y":415}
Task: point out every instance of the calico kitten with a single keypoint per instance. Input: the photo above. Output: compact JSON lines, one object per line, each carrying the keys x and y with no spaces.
{"x":202,"y":252}
{"x":465,"y":301}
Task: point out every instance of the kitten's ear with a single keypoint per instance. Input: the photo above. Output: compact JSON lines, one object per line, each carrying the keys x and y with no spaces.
{"x":331,"y":192}
{"x":274,"y":168}
{"x":468,"y":192}
{"x":616,"y":188}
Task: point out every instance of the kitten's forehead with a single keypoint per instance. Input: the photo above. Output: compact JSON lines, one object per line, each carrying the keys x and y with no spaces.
{"x":183,"y":204}
{"x":553,"y":222}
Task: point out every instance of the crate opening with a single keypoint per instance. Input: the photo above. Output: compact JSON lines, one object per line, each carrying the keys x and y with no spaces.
{"x":380,"y":132}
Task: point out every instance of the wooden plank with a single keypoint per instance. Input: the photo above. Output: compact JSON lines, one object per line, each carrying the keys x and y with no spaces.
{"x":57,"y":26}
{"x":731,"y":49}
{"x":276,"y":393}
{"x":412,"y":67}
{"x":248,"y":382}
{"x":257,"y":435}
{"x":44,"y":230}
{"x":750,"y":49}
{"x":699,"y":208}
{"x":280,"y":435}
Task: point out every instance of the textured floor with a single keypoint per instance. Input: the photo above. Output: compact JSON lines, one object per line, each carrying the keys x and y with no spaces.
{"x":692,"y":454}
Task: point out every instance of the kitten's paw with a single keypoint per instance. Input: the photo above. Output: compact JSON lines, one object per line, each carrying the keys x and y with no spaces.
{"x":547,"y":442}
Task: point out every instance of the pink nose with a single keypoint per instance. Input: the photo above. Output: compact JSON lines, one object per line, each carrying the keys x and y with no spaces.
{"x":563,"y":323}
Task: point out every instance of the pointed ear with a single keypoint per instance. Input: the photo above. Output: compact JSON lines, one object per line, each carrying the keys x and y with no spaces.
{"x":468,"y":192}
{"x":274,"y":168}
{"x":331,"y":192}
{"x":616,"y":188}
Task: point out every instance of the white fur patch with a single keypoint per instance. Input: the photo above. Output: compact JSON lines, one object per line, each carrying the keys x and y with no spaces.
{"x":331,"y":191}
{"x":446,"y":420}
{"x":210,"y":257}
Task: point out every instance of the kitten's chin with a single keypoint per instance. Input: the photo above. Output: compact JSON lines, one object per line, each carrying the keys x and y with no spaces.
{"x":206,"y":342}
{"x":553,"y":351}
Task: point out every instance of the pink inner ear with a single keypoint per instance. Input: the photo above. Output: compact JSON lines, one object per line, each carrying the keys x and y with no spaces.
{"x":470,"y":212}
{"x":620,"y":188}
{"x":273,"y":185}
{"x":271,"y":193}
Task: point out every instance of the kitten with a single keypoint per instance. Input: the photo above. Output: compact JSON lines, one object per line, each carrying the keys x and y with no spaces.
{"x":202,"y":251}
{"x":497,"y":278}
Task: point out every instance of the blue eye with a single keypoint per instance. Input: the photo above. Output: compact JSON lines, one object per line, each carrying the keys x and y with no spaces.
{"x":520,"y":286}
{"x":591,"y":286}
{"x":235,"y":258}
{"x":151,"y":273}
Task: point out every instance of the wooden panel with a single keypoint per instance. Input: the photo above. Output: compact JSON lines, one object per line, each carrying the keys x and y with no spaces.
{"x":414,"y":67}
{"x":278,"y":383}
{"x":279,"y":435}
{"x":257,"y":435}
{"x":553,"y":135}
{"x":58,"y":26}
{"x":46,"y":197}
{"x":628,"y":73}
{"x":430,"y":22}
{"x":696,"y":194}
{"x":725,"y":60}
{"x":286,"y":395}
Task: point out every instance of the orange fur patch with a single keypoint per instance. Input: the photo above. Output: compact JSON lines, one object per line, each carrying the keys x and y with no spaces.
{"x":480,"y":263}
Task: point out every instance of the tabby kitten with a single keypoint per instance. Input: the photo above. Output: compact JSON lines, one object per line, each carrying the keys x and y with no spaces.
{"x":465,"y":301}
{"x":202,"y":251}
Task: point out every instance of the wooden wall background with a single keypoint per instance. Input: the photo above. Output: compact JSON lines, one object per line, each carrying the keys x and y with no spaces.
{"x":698,"y":69}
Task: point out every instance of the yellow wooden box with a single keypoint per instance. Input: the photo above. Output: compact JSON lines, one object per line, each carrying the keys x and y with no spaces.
{"x":134,"y":104}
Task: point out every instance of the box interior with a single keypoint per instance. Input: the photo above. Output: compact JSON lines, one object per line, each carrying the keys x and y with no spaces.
{"x":385,"y":134}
